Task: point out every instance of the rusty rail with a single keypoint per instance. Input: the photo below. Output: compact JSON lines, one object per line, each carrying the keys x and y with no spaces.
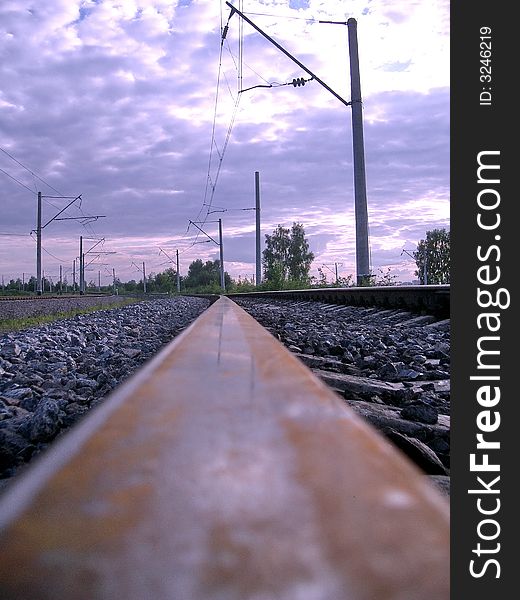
{"x":223,"y":470}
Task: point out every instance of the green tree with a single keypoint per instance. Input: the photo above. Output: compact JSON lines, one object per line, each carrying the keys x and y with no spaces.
{"x":432,"y":257}
{"x":130,"y":286}
{"x":382,"y":278}
{"x":242,"y":285}
{"x":166,"y":281}
{"x":287,"y":257}
{"x":322,"y":278}
{"x":205,"y":277}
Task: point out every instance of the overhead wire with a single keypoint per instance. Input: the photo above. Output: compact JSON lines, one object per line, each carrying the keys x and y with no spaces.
{"x":30,"y":171}
{"x":212,"y":177}
{"x":17,"y":181}
{"x":310,"y":20}
{"x":86,"y":224}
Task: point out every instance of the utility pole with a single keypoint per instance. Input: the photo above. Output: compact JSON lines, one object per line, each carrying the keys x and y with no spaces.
{"x":39,"y":228}
{"x":144,"y":278}
{"x":61,"y":280}
{"x":178,"y":273}
{"x":222,"y":278}
{"x":360,"y":190}
{"x":74,"y":276}
{"x":81,"y":266}
{"x":39,"y":246}
{"x":360,"y":200}
{"x":425,"y":266}
{"x":257,"y":208}
{"x":99,"y":281}
{"x":335,"y":269}
{"x":177,"y":265}
{"x":221,"y":249}
{"x":114,"y":280}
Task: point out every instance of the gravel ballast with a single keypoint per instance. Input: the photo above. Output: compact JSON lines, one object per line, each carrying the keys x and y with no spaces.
{"x":53,"y":374}
{"x":27,"y":308}
{"x":390,"y":366}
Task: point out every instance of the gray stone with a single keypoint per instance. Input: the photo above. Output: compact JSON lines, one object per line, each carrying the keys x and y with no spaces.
{"x":131,"y":352}
{"x":420,"y":412}
{"x":45,"y":423}
{"x":76,"y":362}
{"x":13,"y":448}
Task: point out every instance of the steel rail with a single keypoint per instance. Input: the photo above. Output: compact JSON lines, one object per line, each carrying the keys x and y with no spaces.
{"x":223,"y":470}
{"x":434,"y":299}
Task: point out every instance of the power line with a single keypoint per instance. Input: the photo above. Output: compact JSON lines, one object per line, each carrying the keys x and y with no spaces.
{"x":281,"y":16}
{"x":29,"y":170}
{"x":308,"y":19}
{"x":17,"y":181}
{"x":212,"y":184}
{"x":85,"y":225}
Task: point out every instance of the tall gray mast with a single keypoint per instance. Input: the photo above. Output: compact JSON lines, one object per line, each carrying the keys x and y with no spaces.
{"x":360,"y":189}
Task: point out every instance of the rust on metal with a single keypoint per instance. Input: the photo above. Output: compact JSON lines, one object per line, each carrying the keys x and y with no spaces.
{"x":224,"y":470}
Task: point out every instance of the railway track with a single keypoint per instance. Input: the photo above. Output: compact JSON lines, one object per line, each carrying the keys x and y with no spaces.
{"x":226,"y":470}
{"x":430,"y":299}
{"x":49,"y":297}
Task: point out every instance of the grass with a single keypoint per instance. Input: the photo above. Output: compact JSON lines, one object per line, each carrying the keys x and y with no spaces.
{"x":20,"y":323}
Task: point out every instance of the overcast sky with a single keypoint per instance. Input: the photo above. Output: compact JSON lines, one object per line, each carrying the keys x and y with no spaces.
{"x":137,"y":106}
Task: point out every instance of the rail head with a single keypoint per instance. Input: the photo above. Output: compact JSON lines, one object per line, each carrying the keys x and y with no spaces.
{"x":224,"y":470}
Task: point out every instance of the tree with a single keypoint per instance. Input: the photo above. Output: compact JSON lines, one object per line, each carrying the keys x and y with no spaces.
{"x":432,"y":257}
{"x":286,"y":256}
{"x":166,"y":281}
{"x":381,"y":278}
{"x":205,"y":276}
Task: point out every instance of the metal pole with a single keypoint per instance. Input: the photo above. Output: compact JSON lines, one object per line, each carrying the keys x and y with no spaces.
{"x":222,"y":279}
{"x":61,"y":280}
{"x":257,"y":206}
{"x":425,"y":273}
{"x":361,"y":211}
{"x":81,"y":266}
{"x":144,"y":278}
{"x":74,"y":276}
{"x":178,"y":274}
{"x":336,"y":267}
{"x":114,"y":280}
{"x":360,"y":192}
{"x":287,"y":53}
{"x":39,"y":246}
{"x":99,"y":281}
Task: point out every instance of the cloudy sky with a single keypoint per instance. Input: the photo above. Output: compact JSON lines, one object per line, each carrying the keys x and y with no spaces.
{"x":138,"y":107}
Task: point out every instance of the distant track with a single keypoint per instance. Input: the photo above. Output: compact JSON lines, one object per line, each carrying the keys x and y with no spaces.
{"x":53,"y":297}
